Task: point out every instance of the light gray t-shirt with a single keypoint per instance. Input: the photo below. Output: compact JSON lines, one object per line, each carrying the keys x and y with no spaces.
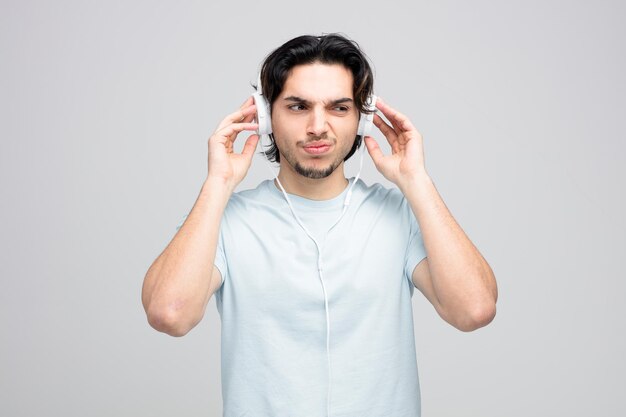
{"x":272,"y":307}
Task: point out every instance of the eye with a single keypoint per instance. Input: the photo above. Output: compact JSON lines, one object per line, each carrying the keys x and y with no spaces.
{"x":297,"y":107}
{"x":341,"y":109}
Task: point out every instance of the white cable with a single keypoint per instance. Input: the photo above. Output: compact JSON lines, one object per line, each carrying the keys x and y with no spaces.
{"x":358,"y":174}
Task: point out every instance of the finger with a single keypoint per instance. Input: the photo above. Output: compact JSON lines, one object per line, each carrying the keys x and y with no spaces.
{"x":384,"y":127}
{"x":249,"y":101}
{"x":399,"y":121}
{"x":374,"y":150}
{"x":386,"y":130}
{"x":235,"y":128}
{"x":250,"y":146}
{"x":230,"y":138}
{"x":238,"y":116}
{"x":250,"y":117}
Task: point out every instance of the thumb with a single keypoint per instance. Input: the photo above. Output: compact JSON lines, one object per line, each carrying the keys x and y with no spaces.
{"x":374,"y":150}
{"x":250,"y":146}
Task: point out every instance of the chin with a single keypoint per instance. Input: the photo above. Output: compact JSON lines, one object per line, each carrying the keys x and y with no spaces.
{"x":313,"y":172}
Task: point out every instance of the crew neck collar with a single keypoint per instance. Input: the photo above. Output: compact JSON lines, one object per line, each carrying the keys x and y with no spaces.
{"x":303,"y":202}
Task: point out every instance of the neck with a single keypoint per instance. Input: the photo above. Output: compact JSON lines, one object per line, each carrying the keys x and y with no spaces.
{"x":313,"y":189}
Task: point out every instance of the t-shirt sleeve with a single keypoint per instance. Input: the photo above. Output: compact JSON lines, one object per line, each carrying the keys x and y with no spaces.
{"x":416,"y":251}
{"x":220,"y":258}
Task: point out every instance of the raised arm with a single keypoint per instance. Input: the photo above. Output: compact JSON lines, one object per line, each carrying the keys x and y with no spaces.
{"x":182,"y":279}
{"x":454,"y":277}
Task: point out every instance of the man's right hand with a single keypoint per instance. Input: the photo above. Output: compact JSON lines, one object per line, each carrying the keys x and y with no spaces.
{"x":223,"y":163}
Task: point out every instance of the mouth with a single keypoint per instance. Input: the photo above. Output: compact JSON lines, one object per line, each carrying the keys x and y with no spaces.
{"x":317,"y":147}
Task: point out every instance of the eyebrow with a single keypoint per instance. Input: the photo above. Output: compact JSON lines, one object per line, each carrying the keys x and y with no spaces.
{"x":297,"y":99}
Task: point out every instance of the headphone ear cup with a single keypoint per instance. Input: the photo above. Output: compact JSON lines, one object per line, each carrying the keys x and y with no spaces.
{"x":262,"y":114}
{"x":367,"y":119}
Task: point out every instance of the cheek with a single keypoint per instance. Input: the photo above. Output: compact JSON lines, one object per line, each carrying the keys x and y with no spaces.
{"x":348,"y":130}
{"x":282,"y":126}
{"x":347,"y":126}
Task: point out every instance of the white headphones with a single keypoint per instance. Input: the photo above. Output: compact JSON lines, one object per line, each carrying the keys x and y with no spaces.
{"x":265,"y":122}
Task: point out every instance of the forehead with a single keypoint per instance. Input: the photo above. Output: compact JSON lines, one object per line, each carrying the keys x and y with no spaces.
{"x":319,"y":82}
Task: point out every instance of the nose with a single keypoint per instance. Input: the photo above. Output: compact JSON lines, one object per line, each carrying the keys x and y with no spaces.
{"x":317,"y":123}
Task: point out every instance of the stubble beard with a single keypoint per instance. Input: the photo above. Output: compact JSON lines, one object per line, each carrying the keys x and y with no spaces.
{"x":310,"y":172}
{"x":314,"y":173}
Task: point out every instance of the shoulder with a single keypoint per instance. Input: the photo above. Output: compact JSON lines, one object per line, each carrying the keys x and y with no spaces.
{"x":254,"y":204}
{"x":379,"y":194}
{"x":260,"y":194}
{"x":384,"y":203}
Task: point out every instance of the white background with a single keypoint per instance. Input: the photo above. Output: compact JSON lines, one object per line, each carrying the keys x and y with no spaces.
{"x":105,"y":111}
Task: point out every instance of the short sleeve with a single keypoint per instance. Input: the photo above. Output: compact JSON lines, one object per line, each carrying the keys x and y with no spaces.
{"x":416,"y":251}
{"x":220,"y":257}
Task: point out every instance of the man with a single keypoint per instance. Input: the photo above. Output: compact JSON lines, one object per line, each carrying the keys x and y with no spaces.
{"x":314,"y":291}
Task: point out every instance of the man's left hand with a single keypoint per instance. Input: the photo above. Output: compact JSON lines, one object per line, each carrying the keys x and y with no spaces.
{"x":406,"y":162}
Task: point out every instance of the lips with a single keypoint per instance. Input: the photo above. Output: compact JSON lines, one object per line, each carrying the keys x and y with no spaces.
{"x":317,"y":148}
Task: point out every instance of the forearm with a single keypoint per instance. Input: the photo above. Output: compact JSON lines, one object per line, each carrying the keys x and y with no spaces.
{"x":177,"y":286}
{"x":462,"y":281}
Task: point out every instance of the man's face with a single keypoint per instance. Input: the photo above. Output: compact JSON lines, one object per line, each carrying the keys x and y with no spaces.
{"x":314,"y":119}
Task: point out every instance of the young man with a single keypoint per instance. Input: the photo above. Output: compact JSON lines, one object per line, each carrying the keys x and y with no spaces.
{"x":314,"y":286}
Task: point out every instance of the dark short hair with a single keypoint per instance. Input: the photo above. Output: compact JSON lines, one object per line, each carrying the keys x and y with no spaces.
{"x":332,"y":48}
